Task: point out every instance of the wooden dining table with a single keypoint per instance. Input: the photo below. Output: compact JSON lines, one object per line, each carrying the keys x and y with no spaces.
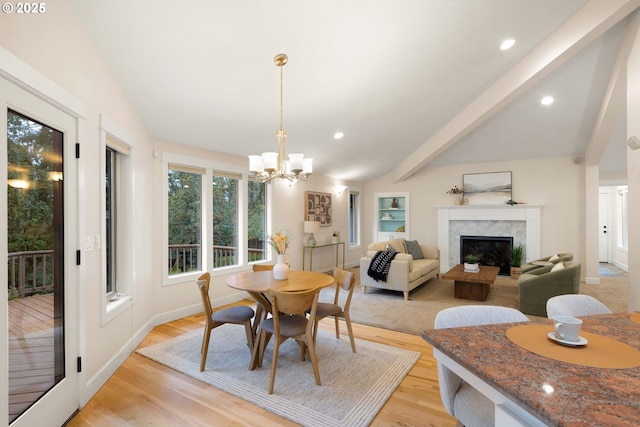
{"x":256,"y":283}
{"x":534,"y":381}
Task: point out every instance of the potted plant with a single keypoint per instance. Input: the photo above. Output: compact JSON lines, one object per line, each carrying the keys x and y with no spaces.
{"x":471,"y":263}
{"x":517,"y":256}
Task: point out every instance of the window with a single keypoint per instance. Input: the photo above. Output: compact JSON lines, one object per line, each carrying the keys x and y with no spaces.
{"x":115,"y":240}
{"x":111,"y":218}
{"x":225,"y":220}
{"x":622,"y":213}
{"x":257,"y":220}
{"x":184,"y":201}
{"x":216,"y":218}
{"x":354,"y":218}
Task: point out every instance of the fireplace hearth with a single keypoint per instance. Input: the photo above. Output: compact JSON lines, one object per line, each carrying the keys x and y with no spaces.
{"x":492,"y":251}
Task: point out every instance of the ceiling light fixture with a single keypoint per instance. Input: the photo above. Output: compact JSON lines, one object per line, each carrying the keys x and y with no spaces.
{"x":338,"y":135}
{"x":547,"y":100}
{"x":274,"y":165}
{"x":507,"y":44}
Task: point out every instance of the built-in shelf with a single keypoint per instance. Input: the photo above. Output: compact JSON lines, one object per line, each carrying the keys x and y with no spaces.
{"x":392,"y":216}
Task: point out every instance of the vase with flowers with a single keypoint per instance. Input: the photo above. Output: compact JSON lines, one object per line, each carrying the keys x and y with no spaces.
{"x":458,"y":192}
{"x":280,"y":243}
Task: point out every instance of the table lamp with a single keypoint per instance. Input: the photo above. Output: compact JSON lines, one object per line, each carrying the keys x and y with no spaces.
{"x":311,"y":227}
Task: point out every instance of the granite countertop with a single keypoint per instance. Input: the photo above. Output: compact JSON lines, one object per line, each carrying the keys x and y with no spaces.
{"x":558,"y":393}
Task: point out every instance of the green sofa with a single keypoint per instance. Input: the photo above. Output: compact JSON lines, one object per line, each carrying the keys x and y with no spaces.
{"x":537,"y":286}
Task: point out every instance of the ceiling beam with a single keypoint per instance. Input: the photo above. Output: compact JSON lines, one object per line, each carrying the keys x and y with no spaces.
{"x":614,"y":102}
{"x":590,"y":22}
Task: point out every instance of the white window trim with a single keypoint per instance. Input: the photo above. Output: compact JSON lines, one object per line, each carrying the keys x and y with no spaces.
{"x":358,"y":232}
{"x":110,"y":307}
{"x":207,"y":257}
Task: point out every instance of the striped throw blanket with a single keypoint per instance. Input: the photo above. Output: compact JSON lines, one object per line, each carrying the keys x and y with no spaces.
{"x":380,"y":263}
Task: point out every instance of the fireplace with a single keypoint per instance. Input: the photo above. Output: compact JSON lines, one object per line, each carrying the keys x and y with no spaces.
{"x":522,"y":222}
{"x":492,"y":250}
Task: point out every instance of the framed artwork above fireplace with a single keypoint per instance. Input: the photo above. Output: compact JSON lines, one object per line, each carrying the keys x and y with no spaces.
{"x":493,"y":188}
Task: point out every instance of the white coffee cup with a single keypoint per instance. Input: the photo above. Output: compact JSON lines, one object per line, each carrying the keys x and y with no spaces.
{"x":567,"y":328}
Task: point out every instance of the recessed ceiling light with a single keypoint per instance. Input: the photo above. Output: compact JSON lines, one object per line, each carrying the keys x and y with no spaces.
{"x":507,"y":44}
{"x":338,"y":135}
{"x":547,"y":100}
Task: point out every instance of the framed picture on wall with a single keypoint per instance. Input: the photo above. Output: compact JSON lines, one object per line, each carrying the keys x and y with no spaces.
{"x":493,"y":188}
{"x":317,"y":207}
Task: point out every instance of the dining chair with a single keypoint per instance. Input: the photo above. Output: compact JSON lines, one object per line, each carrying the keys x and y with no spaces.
{"x":240,"y":315}
{"x":575,"y":305}
{"x":461,"y":400}
{"x":346,"y":281}
{"x":289,"y":320}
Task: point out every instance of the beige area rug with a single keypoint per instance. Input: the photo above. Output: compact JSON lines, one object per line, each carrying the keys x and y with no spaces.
{"x":354,"y":387}
{"x":388,"y":309}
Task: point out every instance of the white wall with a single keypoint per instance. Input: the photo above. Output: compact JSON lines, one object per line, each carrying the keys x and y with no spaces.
{"x":633,"y":173}
{"x":556,"y":183}
{"x":56,"y":45}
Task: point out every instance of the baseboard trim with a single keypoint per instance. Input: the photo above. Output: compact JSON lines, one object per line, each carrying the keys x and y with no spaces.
{"x":592,"y":280}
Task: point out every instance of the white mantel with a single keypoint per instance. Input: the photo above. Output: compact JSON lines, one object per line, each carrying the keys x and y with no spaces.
{"x":530,"y":214}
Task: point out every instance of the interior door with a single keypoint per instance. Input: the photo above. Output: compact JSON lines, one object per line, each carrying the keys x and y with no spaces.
{"x":603,"y":224}
{"x":39,"y":214}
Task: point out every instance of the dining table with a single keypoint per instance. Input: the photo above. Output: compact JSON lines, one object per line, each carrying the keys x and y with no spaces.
{"x":534,"y":380}
{"x":256,"y":283}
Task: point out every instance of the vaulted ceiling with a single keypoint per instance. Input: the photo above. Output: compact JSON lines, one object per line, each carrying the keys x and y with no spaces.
{"x":411,"y":83}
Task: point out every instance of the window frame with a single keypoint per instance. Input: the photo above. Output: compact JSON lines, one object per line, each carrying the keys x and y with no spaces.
{"x":211,"y":167}
{"x":622,"y":220}
{"x":267,"y":215}
{"x":118,"y":301}
{"x":354,"y":232}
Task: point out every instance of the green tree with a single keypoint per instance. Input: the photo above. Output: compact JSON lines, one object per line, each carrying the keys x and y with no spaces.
{"x":31,"y":163}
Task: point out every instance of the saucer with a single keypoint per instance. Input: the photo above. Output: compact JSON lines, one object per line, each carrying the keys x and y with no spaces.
{"x":581,"y":341}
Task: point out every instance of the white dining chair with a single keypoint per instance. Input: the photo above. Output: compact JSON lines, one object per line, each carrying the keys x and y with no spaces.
{"x":470,"y":407}
{"x":575,"y":305}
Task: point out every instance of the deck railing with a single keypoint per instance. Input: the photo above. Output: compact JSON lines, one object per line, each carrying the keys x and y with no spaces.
{"x":30,"y":272}
{"x":184,"y":258}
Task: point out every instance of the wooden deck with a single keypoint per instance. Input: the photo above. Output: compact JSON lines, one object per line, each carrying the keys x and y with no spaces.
{"x":31,"y":351}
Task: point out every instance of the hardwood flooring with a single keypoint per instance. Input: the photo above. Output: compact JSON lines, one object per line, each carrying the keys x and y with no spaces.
{"x":143,"y":392}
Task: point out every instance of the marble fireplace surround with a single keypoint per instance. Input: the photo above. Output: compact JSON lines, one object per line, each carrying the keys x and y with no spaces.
{"x":525,"y":218}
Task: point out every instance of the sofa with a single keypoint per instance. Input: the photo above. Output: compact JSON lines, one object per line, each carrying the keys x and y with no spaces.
{"x":554,"y":259}
{"x":537,"y":286}
{"x":406,"y":272}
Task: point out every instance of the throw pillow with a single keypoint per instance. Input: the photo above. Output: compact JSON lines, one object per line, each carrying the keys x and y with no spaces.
{"x":391,"y":249}
{"x":413,"y":248}
{"x":554,"y":258}
{"x":558,"y":266}
{"x":398,"y":245}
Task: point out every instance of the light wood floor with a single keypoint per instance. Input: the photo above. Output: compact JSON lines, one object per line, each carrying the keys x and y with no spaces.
{"x":143,"y":392}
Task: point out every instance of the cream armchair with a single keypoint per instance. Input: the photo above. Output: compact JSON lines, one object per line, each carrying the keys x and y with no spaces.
{"x":405,"y":272}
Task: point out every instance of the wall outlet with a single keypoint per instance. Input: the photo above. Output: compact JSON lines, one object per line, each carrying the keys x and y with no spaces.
{"x":88,"y":243}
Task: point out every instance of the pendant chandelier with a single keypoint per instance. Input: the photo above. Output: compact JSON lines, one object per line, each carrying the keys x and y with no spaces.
{"x":271,"y":165}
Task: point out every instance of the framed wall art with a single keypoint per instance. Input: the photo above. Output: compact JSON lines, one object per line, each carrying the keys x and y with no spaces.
{"x":492,"y":188}
{"x":317,"y":207}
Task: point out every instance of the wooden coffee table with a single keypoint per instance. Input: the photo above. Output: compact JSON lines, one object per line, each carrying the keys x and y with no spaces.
{"x":474,"y":286}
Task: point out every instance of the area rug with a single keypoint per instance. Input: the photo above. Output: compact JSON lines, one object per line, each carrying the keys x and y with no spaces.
{"x":388,"y":309}
{"x":354,"y":387}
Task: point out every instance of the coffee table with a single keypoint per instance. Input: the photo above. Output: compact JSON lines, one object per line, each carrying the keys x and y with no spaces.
{"x":473,"y":286}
